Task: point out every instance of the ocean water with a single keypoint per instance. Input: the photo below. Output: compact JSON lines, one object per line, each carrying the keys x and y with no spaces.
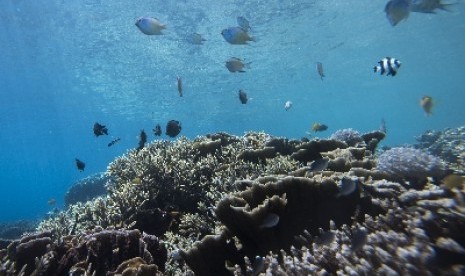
{"x":66,"y":64}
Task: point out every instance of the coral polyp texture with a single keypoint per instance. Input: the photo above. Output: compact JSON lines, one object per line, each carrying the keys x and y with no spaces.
{"x":253,"y":205}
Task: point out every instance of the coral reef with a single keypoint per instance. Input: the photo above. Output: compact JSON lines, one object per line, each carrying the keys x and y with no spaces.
{"x":448,"y":144}
{"x":87,"y":189}
{"x":411,"y":164}
{"x":228,"y":205}
{"x":349,"y":136}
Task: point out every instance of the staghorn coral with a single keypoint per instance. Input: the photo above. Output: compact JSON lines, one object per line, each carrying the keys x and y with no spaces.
{"x":410,"y":164}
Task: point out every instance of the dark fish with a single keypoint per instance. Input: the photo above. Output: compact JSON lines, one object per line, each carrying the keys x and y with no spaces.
{"x":179,"y":85}
{"x":388,"y":65}
{"x":100,"y":130}
{"x":319,"y":127}
{"x":157,"y":130}
{"x":319,"y":69}
{"x":80,"y":165}
{"x":173,"y":128}
{"x":243,"y":96}
{"x":319,"y":165}
{"x":258,"y":266}
{"x":359,"y":239}
{"x":114,"y":142}
{"x":397,"y":10}
{"x":236,"y":65}
{"x":142,"y":139}
{"x":347,"y":186}
{"x":271,"y":220}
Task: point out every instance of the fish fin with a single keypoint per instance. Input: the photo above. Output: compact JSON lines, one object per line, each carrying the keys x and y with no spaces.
{"x":241,"y":71}
{"x":247,"y":65}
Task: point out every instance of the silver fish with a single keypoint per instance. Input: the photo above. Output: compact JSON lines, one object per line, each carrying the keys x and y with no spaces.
{"x":288,"y":105}
{"x":319,"y":69}
{"x":319,"y":165}
{"x":346,"y":186}
{"x":150,"y":25}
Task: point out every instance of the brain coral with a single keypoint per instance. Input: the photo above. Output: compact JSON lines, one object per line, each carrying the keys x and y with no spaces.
{"x":410,"y":163}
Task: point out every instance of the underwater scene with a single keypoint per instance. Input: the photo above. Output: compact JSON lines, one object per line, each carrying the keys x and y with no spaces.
{"x":232,"y":137}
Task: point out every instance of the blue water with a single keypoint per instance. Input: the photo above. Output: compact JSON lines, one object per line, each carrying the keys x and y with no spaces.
{"x":65,"y":65}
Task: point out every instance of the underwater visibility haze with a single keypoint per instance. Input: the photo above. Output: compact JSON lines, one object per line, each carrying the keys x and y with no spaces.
{"x":302,"y":66}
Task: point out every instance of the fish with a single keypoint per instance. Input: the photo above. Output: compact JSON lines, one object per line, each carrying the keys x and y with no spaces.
{"x":157,"y":130}
{"x":428,"y":6}
{"x":236,"y":35}
{"x":100,"y":130}
{"x":150,"y":25}
{"x":258,"y":266}
{"x":271,"y":220}
{"x":426,"y":103}
{"x":114,"y":142}
{"x":319,"y":127}
{"x":288,"y":105}
{"x":236,"y":65}
{"x":142,"y":139}
{"x":319,"y":69}
{"x":243,"y":23}
{"x":80,"y":165}
{"x":196,"y":39}
{"x":51,"y":202}
{"x":173,"y":128}
{"x":346,"y":186}
{"x":454,"y":181}
{"x":243,"y":96}
{"x":387,"y":65}
{"x":382,"y":126}
{"x":397,"y":10}
{"x":179,"y":85}
{"x":319,"y":165}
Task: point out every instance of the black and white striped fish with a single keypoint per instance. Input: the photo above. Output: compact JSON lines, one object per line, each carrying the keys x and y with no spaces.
{"x":388,"y":65}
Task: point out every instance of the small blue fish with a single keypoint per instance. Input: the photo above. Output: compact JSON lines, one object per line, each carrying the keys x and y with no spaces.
{"x":271,"y":220}
{"x":288,"y":105}
{"x":150,"y":25}
{"x":397,"y":10}
{"x":236,"y":35}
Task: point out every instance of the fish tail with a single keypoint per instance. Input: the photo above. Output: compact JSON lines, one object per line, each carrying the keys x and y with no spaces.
{"x":376,"y":68}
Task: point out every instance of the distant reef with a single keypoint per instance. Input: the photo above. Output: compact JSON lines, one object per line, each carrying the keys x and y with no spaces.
{"x":254,"y":204}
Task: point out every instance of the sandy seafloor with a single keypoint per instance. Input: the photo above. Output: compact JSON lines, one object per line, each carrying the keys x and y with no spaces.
{"x":256,"y":204}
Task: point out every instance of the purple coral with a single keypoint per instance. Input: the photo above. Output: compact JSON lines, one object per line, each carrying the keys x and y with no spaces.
{"x":410,"y":163}
{"x":350,"y":136}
